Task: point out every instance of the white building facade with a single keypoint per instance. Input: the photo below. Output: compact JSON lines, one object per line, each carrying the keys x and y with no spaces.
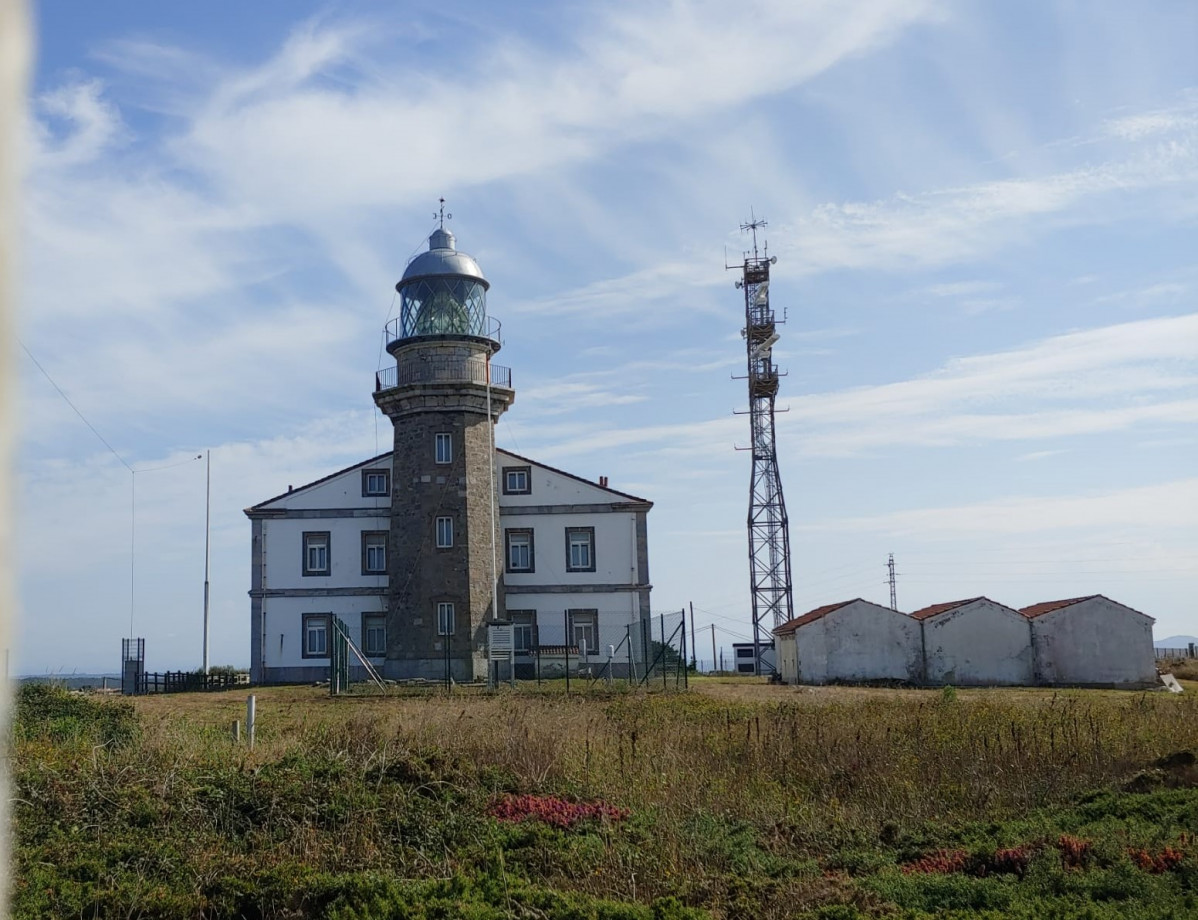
{"x":1092,"y":641}
{"x":976,"y":642}
{"x":853,"y":641}
{"x":414,"y":552}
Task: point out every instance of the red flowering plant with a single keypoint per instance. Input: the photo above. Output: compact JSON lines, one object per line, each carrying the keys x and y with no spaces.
{"x":552,"y":810}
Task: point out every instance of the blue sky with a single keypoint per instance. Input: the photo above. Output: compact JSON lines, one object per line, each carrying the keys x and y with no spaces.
{"x":985,"y":217}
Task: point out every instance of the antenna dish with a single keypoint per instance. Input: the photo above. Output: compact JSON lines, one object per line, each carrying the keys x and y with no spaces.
{"x":773,"y":260}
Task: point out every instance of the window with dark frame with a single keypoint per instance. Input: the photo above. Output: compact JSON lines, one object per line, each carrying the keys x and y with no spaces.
{"x":521,"y":555}
{"x":374,"y":634}
{"x":524,"y":630}
{"x":374,"y":552}
{"x":316,"y":552}
{"x":517,"y":480}
{"x":376,"y":483}
{"x":584,"y":630}
{"x":443,"y":450}
{"x":316,"y":635}
{"x":445,"y":622}
{"x":580,"y":549}
{"x":444,"y":532}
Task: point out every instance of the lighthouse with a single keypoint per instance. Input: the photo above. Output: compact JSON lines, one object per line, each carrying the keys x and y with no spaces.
{"x":443,"y":397}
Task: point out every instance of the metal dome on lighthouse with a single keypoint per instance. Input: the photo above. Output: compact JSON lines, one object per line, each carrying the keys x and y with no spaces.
{"x":443,"y":292}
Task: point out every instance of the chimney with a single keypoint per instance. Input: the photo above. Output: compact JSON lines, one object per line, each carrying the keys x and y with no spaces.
{"x":603,"y":481}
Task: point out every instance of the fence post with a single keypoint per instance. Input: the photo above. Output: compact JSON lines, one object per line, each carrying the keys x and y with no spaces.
{"x":566,"y":620}
{"x":685,"y":662}
{"x":663,"y":651}
{"x":628,"y":635}
{"x":237,"y":731}
{"x":250,"y":707}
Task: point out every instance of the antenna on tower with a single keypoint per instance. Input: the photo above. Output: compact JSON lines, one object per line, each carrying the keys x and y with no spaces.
{"x":769,"y":534}
{"x":890,"y":568}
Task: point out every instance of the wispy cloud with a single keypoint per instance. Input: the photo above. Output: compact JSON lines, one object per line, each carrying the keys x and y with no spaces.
{"x":1165,"y":505}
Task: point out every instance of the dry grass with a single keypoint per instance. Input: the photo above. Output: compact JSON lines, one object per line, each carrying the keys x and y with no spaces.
{"x":740,"y":793}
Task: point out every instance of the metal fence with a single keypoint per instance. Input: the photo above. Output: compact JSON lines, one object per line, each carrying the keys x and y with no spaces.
{"x":1169,"y":654}
{"x":187,"y":681}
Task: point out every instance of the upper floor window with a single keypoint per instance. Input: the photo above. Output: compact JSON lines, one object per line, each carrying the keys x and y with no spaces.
{"x":376,"y":482}
{"x":517,"y":480}
{"x":316,"y":552}
{"x":580,"y":549}
{"x":444,"y":532}
{"x":374,"y":552}
{"x":520,"y":551}
{"x":443,"y":450}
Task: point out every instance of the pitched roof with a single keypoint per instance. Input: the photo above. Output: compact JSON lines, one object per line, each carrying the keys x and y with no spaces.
{"x":364,"y":463}
{"x":934,"y":609}
{"x":810,"y":617}
{"x":1038,"y":610}
{"x":553,"y":469}
{"x":322,"y":479}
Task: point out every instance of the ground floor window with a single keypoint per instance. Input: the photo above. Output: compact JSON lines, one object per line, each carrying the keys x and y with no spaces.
{"x":524,"y":630}
{"x":316,"y":635}
{"x":374,"y":634}
{"x":584,"y":631}
{"x":444,"y":619}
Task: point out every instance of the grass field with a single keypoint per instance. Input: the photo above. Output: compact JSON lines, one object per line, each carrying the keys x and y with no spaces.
{"x":735,"y":800}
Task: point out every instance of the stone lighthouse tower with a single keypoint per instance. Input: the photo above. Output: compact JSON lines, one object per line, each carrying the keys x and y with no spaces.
{"x":443,"y":398}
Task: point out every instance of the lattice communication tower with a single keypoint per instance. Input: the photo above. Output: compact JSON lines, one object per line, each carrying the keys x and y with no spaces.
{"x":769,"y":535}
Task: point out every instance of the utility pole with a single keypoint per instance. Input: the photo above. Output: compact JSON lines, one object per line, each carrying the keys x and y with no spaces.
{"x":713,"y":661}
{"x":890,"y":568}
{"x":207,"y":534}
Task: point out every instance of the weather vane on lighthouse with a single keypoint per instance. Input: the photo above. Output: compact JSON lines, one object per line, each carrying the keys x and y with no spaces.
{"x":441,"y":216}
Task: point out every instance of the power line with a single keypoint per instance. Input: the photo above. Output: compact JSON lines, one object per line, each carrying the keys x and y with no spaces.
{"x":103,"y":440}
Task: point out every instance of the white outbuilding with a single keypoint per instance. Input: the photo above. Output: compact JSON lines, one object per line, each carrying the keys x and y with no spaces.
{"x":1091,"y":641}
{"x":976,"y":642}
{"x":851,"y":641}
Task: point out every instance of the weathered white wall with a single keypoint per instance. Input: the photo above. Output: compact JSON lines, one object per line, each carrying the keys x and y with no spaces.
{"x":283,"y":540}
{"x":858,"y":642}
{"x":1096,"y":641}
{"x":341,"y":491}
{"x":616,"y":611}
{"x":614,"y":548}
{"x":549,"y":487}
{"x":812,"y":651}
{"x":979,"y":644}
{"x":283,"y":626}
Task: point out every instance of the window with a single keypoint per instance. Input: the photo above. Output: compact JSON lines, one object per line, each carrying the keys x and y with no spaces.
{"x":445,"y":619}
{"x":374,"y":552}
{"x":376,"y":482}
{"x":316,"y":635}
{"x":519,"y":551}
{"x":580,"y":549}
{"x":584,"y":631}
{"x":316,"y":552}
{"x":517,"y":480}
{"x":444,"y":448}
{"x":524,"y":630}
{"x":444,"y":532}
{"x":374,"y":634}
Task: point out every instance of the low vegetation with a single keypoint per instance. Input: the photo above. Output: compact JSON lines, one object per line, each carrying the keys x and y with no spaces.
{"x":733,"y":801}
